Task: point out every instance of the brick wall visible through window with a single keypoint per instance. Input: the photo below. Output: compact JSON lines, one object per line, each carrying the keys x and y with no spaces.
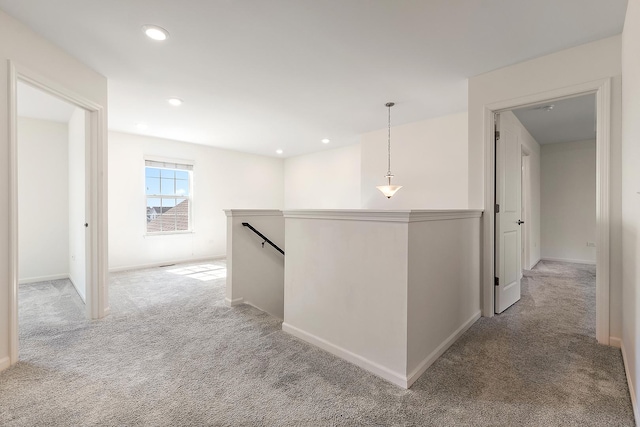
{"x":168,"y":193}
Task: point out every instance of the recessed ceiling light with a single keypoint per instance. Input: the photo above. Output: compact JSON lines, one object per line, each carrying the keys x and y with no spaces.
{"x":156,"y":33}
{"x":142,"y":126}
{"x":326,"y":141}
{"x":176,"y":102}
{"x":279,"y":151}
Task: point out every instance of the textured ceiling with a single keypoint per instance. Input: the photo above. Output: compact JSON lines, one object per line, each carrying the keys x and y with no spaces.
{"x":260,"y":75}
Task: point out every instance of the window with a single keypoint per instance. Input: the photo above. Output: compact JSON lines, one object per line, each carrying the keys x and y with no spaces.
{"x":168,"y":192}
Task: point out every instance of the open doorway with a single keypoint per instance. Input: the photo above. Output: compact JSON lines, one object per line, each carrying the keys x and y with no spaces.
{"x":52,"y":137}
{"x":546,"y":197}
{"x":95,"y":204}
{"x":566,"y":133}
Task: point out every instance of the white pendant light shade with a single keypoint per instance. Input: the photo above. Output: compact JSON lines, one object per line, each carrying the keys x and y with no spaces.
{"x":389,"y":190}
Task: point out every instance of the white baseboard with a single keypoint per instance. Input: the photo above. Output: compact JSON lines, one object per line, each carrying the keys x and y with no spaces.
{"x":373,"y":367}
{"x":615,"y":342}
{"x":632,"y":392}
{"x":534,"y":264}
{"x":233,"y":302}
{"x":428,"y":361}
{"x":158,"y":264}
{"x":43,"y":278}
{"x":574,"y":261}
{"x":5,"y":362}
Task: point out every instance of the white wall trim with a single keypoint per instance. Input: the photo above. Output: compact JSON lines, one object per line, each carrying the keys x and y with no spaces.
{"x":632,"y":393}
{"x":615,"y":342}
{"x":404,"y":216}
{"x":163,"y":263}
{"x":236,"y":301}
{"x":574,"y":261}
{"x":5,"y":362}
{"x":428,"y":361}
{"x":602,"y":89}
{"x":375,"y":368}
{"x":43,"y":278}
{"x":533,"y":264}
{"x":97,"y":250}
{"x":252,"y":212}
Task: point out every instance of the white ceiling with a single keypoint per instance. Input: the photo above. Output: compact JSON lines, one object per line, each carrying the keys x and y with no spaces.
{"x":37,"y":104}
{"x":572,"y":119}
{"x":260,"y":75}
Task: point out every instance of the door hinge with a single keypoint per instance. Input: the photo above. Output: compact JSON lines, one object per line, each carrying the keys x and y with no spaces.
{"x":497,"y":281}
{"x":496,"y":208}
{"x":497,"y":135}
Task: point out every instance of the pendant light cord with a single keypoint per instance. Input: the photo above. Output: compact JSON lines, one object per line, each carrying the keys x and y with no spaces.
{"x":389,"y":143}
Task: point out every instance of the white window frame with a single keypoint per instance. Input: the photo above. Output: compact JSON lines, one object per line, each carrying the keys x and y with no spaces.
{"x":170,"y":165}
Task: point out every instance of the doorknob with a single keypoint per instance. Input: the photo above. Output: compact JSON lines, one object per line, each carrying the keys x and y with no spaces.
{"x":520,"y":222}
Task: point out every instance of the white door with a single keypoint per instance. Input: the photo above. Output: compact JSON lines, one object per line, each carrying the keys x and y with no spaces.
{"x":508,"y":208}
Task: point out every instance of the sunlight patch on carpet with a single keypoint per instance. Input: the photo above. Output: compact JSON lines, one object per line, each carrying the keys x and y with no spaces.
{"x":203,"y":272}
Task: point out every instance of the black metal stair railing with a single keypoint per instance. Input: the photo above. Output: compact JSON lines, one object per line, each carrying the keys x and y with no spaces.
{"x":266,"y":240}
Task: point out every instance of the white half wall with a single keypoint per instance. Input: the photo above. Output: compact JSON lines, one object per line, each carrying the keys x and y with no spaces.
{"x":444,"y":279}
{"x":429,"y":159}
{"x":631,"y":199}
{"x":324,"y":180}
{"x":43,"y":200}
{"x":77,"y":202}
{"x":222,"y":179}
{"x":586,"y":63}
{"x":29,"y":50}
{"x":389,"y":291}
{"x":569,"y":201}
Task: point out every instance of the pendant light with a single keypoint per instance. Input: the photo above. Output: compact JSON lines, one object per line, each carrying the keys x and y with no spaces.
{"x":389,"y":190}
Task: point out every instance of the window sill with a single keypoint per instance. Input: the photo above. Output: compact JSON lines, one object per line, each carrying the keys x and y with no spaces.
{"x":168,"y":233}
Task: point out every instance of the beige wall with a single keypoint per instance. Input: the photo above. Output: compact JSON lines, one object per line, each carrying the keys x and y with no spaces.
{"x":631,"y":197}
{"x":43,"y":196}
{"x":428,"y":158}
{"x":325,"y":180}
{"x":222,"y":179}
{"x":569,"y":201}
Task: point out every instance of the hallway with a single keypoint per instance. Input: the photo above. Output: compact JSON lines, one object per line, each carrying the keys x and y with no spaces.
{"x":172,"y":353}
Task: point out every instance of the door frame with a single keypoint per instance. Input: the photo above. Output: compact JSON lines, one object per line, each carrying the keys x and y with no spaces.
{"x":96,"y":175}
{"x":525,"y":196}
{"x":602,"y":89}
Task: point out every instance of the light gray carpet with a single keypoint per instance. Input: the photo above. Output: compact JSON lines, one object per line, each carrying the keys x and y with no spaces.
{"x":173,"y":354}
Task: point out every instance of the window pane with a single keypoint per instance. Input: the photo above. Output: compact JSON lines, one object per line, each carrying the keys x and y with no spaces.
{"x":182,"y":214}
{"x":167,"y":203}
{"x":167,"y":186}
{"x":169,"y":211}
{"x":152,"y":185}
{"x":164,"y":222}
{"x":168,"y":173}
{"x":152,"y":172}
{"x":182,"y":187}
{"x":182,"y":174}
